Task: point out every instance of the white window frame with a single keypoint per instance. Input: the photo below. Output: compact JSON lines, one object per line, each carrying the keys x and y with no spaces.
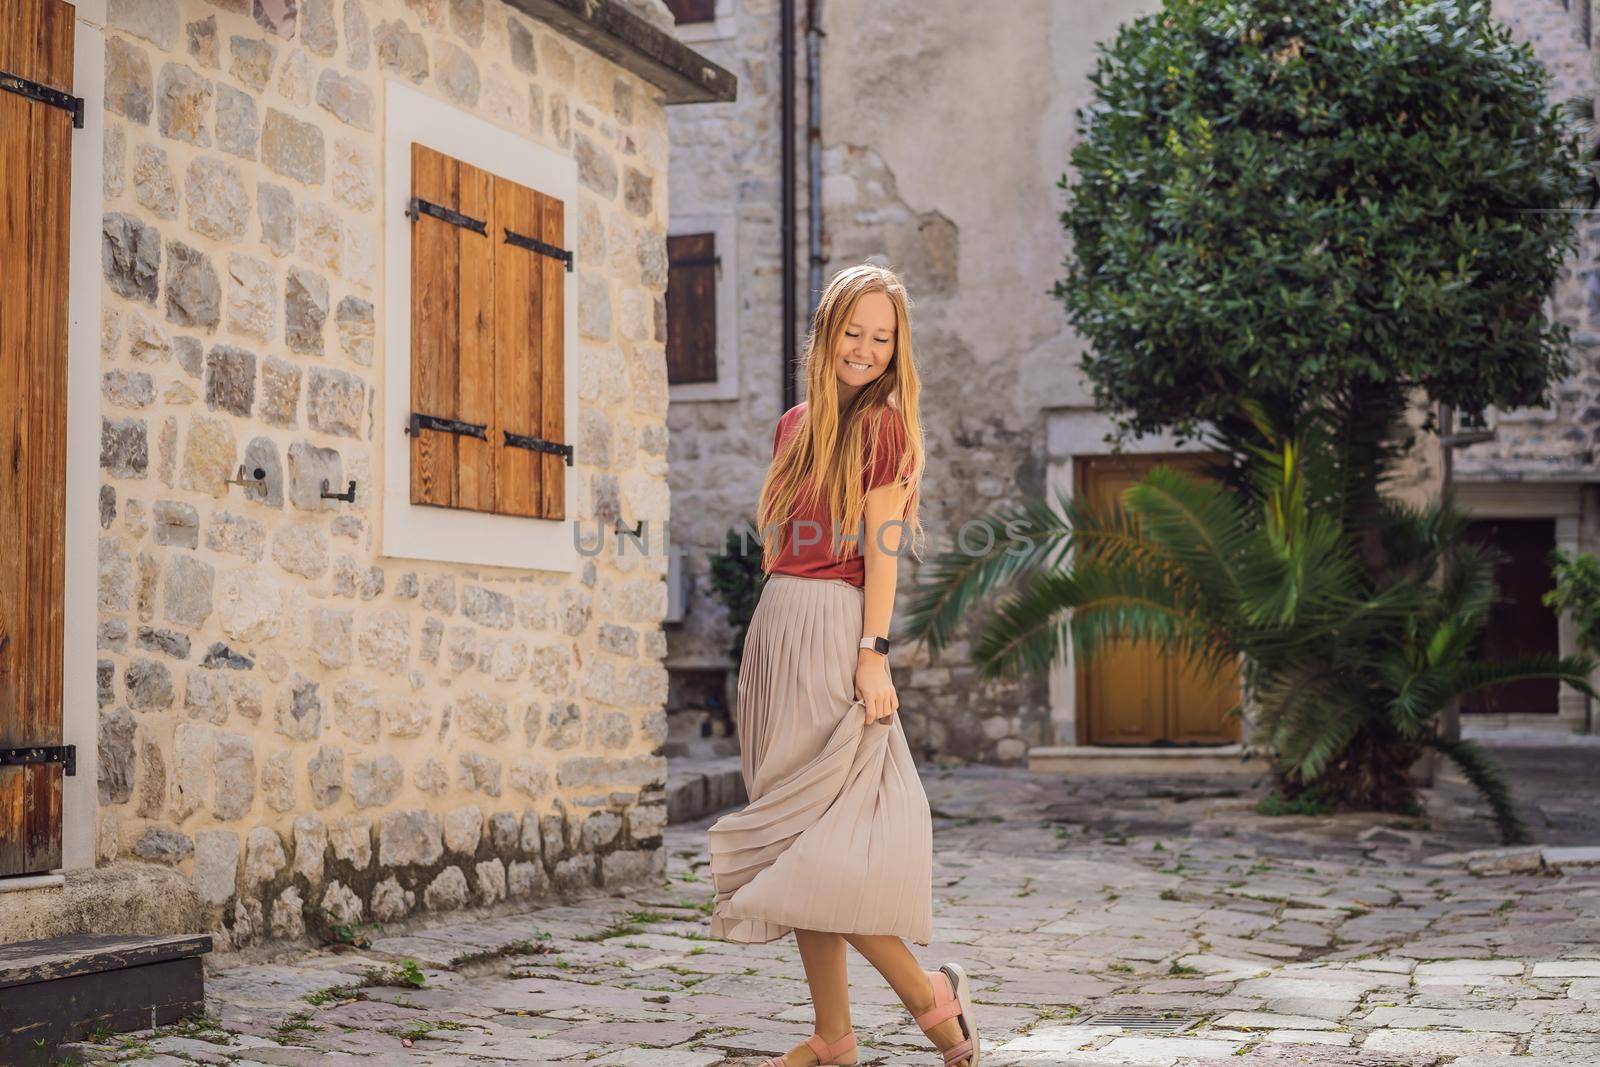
{"x":80,"y":715}
{"x":420,"y":531}
{"x":720,"y":28}
{"x":725,"y":225}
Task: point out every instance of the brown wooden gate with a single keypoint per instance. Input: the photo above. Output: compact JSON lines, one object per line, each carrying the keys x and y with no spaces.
{"x":1133,"y":694}
{"x":35,"y":181}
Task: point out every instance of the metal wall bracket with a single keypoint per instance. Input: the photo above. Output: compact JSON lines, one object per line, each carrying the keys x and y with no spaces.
{"x":420,"y":422}
{"x":63,"y":754}
{"x":73,"y":105}
{"x":417,"y":207}
{"x":533,"y":244}
{"x":348,"y":496}
{"x":538,"y":444}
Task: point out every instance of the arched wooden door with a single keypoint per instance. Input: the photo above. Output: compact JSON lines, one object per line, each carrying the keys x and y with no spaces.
{"x":1133,"y":694}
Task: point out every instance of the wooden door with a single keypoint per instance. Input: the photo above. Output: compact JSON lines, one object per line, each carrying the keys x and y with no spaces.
{"x":1133,"y":694}
{"x":35,"y":169}
{"x":1519,"y":623}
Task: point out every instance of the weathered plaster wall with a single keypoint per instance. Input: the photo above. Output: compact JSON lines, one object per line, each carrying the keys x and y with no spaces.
{"x":945,"y":129}
{"x":310,"y":731}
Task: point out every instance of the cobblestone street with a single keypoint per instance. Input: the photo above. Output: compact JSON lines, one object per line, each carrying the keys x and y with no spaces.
{"x":1221,"y":936}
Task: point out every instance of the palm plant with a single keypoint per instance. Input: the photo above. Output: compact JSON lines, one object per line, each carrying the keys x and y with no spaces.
{"x":1346,"y":668}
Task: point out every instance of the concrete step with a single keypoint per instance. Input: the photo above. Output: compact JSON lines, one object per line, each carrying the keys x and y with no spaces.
{"x":1092,"y":760}
{"x":702,"y":786}
{"x":61,"y":989}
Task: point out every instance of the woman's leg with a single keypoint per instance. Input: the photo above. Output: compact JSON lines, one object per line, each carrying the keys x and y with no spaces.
{"x":822,"y":952}
{"x":905,"y":976}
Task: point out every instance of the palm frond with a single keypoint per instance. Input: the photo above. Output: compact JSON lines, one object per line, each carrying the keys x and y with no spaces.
{"x":1197,"y":524}
{"x":1480,"y":674}
{"x":1327,"y":718}
{"x":1013,"y":542}
{"x":1107,"y":604}
{"x":1486,"y":776}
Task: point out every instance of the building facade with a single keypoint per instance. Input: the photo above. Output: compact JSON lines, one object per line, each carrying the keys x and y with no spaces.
{"x":1535,"y":487}
{"x":364,"y":322}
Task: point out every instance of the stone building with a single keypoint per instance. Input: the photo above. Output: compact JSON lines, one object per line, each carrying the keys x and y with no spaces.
{"x":941,"y":131}
{"x":328,"y":659}
{"x":1536,"y":485}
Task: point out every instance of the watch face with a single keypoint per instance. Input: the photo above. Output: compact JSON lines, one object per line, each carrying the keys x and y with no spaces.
{"x":881,"y":644}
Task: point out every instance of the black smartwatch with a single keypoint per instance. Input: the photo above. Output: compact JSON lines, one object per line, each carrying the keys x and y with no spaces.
{"x":879,"y":645}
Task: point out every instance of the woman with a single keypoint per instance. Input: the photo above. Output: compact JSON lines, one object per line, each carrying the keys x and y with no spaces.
{"x":836,"y":842}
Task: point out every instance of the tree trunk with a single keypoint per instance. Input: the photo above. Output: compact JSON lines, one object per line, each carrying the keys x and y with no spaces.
{"x":1373,"y":774}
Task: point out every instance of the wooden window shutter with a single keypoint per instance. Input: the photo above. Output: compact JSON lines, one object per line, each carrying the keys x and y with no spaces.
{"x":452,"y":350}
{"x":692,"y":265}
{"x":693,"y":10}
{"x":530,"y":368}
{"x":487,"y":361}
{"x":35,"y":186}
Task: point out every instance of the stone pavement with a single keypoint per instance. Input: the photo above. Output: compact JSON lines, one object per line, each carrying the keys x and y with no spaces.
{"x":1104,"y":922}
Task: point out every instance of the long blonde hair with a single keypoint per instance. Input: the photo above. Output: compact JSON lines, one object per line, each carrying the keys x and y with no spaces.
{"x":832,"y":449}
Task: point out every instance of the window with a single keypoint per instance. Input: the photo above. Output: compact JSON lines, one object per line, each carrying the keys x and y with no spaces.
{"x":487,"y":273}
{"x":692,"y":10}
{"x":480,"y":307}
{"x":698,"y":21}
{"x":702,"y":302}
{"x":692,"y":267}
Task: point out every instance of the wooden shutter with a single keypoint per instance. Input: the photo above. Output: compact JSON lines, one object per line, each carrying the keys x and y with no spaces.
{"x":692,"y":266}
{"x":35,"y":188}
{"x":529,"y":362}
{"x":452,"y":353}
{"x":487,"y":362}
{"x":693,"y":10}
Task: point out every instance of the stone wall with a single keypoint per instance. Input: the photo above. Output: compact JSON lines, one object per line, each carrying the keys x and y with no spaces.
{"x":1560,"y":439}
{"x":317,"y":734}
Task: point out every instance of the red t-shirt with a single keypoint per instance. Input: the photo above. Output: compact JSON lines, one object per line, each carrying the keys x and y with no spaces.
{"x":809,"y":558}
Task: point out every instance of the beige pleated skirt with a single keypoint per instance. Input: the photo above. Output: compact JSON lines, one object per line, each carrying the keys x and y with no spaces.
{"x":837,"y":834}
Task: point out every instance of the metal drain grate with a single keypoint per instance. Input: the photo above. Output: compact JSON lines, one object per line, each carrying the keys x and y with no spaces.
{"x":1144,"y":1024}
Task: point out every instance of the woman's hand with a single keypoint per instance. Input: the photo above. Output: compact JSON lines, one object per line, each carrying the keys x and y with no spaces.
{"x":874,"y":687}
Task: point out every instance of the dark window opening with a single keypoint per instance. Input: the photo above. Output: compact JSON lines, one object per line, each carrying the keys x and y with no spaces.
{"x":692,"y":267}
{"x":693,"y":10}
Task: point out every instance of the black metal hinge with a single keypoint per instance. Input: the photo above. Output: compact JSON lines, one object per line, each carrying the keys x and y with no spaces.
{"x":533,"y":244}
{"x":63,"y":754}
{"x":538,"y":444}
{"x":417,"y":207}
{"x":45,"y":95}
{"x":420,"y":422}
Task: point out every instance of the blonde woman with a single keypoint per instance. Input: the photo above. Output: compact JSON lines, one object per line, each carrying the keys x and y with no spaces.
{"x":836,"y":842}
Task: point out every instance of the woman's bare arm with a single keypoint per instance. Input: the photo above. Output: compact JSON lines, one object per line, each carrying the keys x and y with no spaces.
{"x":880,"y":554}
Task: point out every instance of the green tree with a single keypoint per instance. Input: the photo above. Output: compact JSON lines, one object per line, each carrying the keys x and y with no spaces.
{"x":1325,"y":207}
{"x":1320,"y":206}
{"x":1577,"y":593}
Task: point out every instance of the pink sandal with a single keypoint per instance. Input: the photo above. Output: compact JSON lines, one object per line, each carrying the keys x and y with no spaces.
{"x":826,"y":1054}
{"x":952,"y":996}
